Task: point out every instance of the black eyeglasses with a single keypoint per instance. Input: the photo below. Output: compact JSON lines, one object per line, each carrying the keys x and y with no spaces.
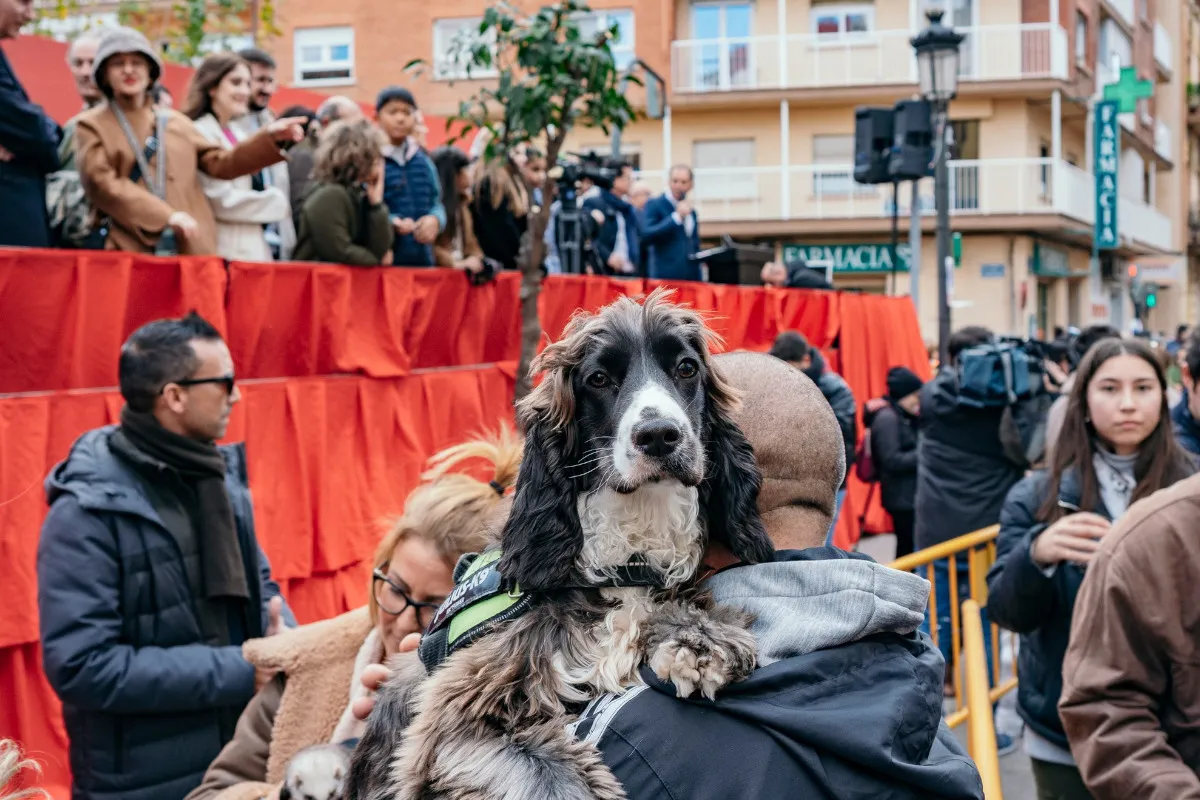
{"x":393,"y":600}
{"x":226,"y":381}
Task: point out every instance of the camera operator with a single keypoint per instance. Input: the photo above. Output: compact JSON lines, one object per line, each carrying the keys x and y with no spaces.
{"x":583,"y":189}
{"x":617,"y":238}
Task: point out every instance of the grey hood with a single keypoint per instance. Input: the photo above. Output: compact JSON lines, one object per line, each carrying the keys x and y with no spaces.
{"x":821,"y":598}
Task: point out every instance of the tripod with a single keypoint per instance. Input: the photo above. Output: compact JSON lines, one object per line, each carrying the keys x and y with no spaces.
{"x":571,"y":235}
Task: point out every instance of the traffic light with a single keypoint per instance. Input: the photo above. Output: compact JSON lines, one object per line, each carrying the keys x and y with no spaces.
{"x":872,"y":144}
{"x":1151,"y":295}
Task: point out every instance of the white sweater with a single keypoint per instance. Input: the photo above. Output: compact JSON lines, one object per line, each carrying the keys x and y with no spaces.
{"x":241,"y":212}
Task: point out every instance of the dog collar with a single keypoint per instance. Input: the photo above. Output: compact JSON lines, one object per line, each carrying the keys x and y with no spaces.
{"x":482,"y":599}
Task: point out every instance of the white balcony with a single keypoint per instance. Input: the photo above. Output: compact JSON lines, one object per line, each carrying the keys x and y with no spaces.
{"x":977,"y":188}
{"x":990,"y":53}
{"x":1163,"y":55}
{"x":1163,"y":143}
{"x":1123,"y":9}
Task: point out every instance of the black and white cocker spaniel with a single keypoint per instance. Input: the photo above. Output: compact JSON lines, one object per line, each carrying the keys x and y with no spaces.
{"x":632,"y":465}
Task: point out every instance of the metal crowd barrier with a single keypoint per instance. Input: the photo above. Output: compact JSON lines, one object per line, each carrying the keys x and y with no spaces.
{"x":979,"y":550}
{"x":981,"y":727}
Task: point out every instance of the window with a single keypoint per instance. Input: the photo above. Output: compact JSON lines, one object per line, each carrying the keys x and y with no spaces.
{"x":836,"y":20}
{"x":1044,"y":169}
{"x":453,"y":40}
{"x":1115,"y":45}
{"x":324,"y":56}
{"x":623,"y":45}
{"x":724,"y":169}
{"x":721,"y":58}
{"x":838,"y":153}
{"x":1081,"y":32}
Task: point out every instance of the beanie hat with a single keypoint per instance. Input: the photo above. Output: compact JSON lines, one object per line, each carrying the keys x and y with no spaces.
{"x":394,"y":93}
{"x":901,"y":382}
{"x":116,"y":41}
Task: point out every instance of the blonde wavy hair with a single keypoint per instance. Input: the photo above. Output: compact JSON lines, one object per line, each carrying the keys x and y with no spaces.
{"x":11,"y":766}
{"x":348,"y":153}
{"x":453,"y":511}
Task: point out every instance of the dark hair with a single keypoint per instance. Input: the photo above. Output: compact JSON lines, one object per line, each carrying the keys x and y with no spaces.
{"x":450,"y":162}
{"x":159,"y":353}
{"x":966,"y":338}
{"x":393,"y":94}
{"x":299,"y":111}
{"x":209,"y":74}
{"x":252,"y":55}
{"x":1088,"y":337}
{"x":790,"y":346}
{"x":157,"y":91}
{"x":616,"y":163}
{"x":1057,"y":351}
{"x":1181,"y":330}
{"x":1160,"y":462}
{"x":1191,"y":354}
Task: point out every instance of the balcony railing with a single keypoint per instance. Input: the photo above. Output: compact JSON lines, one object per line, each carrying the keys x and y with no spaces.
{"x":1162,"y":140}
{"x":990,"y":53}
{"x":1163,"y":55}
{"x":977,"y":187}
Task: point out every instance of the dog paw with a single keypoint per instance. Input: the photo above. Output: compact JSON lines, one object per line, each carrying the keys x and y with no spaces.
{"x":699,"y":649}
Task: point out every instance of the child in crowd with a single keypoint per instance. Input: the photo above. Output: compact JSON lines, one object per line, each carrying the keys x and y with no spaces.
{"x":412,"y":189}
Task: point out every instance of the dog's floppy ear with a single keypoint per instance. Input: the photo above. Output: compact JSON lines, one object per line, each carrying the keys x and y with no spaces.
{"x":731,"y":485}
{"x":543,"y":537}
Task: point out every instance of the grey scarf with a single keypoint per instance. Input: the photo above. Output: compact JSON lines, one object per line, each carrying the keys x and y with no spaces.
{"x":1117,"y":481}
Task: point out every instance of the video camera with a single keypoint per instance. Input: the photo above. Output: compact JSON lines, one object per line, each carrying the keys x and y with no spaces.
{"x":589,"y":166}
{"x":574,"y":230}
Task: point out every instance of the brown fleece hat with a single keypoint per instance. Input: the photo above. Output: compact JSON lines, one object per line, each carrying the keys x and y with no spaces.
{"x":797,"y":444}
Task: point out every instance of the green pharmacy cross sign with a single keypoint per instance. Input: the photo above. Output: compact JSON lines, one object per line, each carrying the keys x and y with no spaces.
{"x":1128,"y":90}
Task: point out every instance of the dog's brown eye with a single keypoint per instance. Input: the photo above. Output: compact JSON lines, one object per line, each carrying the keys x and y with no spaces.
{"x":598,"y":380}
{"x":687,"y":369}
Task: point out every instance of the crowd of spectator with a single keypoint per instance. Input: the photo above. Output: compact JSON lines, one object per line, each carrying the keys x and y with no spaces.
{"x":221,"y":175}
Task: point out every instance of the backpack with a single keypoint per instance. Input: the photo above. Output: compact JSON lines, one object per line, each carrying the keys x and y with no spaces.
{"x":864,"y":461}
{"x":994,"y":375}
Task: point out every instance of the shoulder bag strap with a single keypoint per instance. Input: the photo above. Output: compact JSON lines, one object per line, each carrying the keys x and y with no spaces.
{"x":142,"y":168}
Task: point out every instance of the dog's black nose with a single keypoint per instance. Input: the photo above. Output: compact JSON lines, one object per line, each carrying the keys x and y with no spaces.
{"x":657,"y":437}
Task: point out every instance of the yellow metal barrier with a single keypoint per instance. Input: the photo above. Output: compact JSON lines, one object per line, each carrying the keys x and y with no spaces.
{"x":979,"y":551}
{"x":981,"y":728}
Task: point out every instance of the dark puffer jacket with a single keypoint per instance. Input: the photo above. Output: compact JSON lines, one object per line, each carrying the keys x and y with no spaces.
{"x":1023,"y":599}
{"x":894,"y":449}
{"x":837,"y":393}
{"x":1187,"y":432}
{"x":147,"y":705}
{"x":963,"y":474}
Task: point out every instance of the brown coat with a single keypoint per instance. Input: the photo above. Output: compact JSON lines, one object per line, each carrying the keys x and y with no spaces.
{"x":298,"y":709}
{"x":443,"y":246}
{"x":1131,"y":681}
{"x":105,"y":160}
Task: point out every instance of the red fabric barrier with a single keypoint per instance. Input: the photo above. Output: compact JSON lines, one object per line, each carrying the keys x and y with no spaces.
{"x":289,"y":320}
{"x":330,"y":460}
{"x":877,"y":333}
{"x":64,"y":314}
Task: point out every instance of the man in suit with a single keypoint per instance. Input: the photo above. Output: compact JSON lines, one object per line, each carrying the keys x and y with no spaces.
{"x":672,"y":231}
{"x":28,"y":145}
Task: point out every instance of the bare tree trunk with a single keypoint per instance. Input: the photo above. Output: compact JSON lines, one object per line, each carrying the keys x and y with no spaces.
{"x":533,"y":253}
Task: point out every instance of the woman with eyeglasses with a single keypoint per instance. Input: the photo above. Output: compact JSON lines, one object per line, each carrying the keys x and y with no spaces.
{"x":319,"y":666}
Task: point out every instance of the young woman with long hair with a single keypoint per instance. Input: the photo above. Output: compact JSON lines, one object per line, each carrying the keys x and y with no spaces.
{"x":456,"y":246}
{"x":1116,"y":448}
{"x":500,"y":209}
{"x":254,"y":219}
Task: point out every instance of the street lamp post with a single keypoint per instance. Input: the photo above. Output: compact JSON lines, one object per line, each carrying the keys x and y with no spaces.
{"x":937,"y":66}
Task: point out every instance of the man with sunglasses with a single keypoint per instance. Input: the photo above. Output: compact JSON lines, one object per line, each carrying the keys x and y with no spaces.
{"x":150,"y":577}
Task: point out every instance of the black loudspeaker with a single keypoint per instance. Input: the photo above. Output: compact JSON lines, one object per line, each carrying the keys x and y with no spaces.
{"x":872,"y":144}
{"x":912,"y":145}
